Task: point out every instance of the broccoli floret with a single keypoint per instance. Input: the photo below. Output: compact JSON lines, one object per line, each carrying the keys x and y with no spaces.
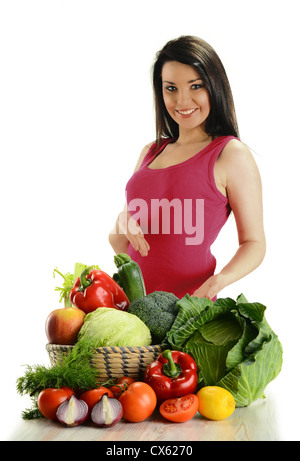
{"x":158,"y":311}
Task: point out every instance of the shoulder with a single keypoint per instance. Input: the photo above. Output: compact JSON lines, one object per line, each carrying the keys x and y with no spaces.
{"x":148,"y":146}
{"x":237,"y":158}
{"x":238,"y":167}
{"x":235,"y":147}
{"x":143,"y":154}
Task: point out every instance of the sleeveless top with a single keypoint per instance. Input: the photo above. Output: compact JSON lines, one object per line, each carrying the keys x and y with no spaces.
{"x":180,"y":211}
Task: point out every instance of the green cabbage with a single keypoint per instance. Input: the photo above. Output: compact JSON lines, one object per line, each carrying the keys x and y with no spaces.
{"x":231,"y":342}
{"x":112,"y":327}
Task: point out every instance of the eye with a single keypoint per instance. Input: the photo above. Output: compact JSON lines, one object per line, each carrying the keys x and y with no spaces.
{"x":197,"y":86}
{"x":170,"y":88}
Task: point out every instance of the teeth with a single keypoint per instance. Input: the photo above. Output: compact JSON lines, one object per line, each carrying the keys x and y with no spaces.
{"x":186,"y":112}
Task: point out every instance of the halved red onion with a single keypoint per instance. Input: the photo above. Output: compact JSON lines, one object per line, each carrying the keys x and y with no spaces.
{"x":107,"y":412}
{"x":72,"y":412}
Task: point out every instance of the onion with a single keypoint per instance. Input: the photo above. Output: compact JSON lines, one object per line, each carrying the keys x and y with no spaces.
{"x":72,"y":412}
{"x":107,"y":412}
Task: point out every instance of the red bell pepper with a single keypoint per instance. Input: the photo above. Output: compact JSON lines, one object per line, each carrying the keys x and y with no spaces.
{"x":95,"y":288}
{"x":172,"y":375}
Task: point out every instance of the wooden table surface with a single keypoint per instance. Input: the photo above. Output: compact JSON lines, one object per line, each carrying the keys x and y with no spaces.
{"x":254,"y":423}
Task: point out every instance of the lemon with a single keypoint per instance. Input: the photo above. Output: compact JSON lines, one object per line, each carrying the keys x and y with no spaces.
{"x":215,"y":403}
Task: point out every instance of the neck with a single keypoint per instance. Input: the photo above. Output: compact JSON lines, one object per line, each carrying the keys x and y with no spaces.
{"x":195,"y":135}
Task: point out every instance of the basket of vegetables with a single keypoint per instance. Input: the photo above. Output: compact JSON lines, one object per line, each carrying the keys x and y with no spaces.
{"x":110,"y":330}
{"x":122,"y":327}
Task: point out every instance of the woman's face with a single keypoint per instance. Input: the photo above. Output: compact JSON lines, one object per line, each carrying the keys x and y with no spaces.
{"x":185,"y":98}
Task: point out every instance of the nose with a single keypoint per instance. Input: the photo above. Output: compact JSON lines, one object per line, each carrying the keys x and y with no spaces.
{"x":183,"y":98}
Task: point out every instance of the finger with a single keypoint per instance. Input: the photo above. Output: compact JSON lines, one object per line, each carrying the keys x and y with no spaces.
{"x":143,"y":247}
{"x":139,"y":244}
{"x":201,"y":294}
{"x":143,"y":241}
{"x":134,"y":242}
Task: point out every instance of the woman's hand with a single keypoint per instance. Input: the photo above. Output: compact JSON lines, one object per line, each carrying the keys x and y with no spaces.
{"x":211,"y":287}
{"x":130,"y":227}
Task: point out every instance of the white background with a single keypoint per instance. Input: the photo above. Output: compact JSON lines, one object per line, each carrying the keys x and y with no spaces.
{"x":75,"y":111}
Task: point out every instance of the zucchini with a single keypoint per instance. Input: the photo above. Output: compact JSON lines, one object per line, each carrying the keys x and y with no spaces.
{"x":129,"y":277}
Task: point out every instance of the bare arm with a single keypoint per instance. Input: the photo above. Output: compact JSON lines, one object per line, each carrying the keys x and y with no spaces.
{"x":121,"y":235}
{"x":243,"y":186}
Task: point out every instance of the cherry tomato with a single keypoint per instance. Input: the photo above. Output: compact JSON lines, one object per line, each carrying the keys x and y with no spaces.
{"x":93,"y":396}
{"x":181,"y":409}
{"x":138,"y":402}
{"x":121,"y":385}
{"x":51,"y":398}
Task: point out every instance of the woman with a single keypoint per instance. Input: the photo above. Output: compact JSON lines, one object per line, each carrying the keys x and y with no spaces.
{"x":187,"y":183}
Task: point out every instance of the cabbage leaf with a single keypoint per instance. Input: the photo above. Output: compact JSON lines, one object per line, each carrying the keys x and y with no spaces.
{"x":231,"y":342}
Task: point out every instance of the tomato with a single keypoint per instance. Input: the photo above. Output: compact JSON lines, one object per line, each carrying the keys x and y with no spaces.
{"x":138,"y":402}
{"x":93,"y":396}
{"x":181,"y":409}
{"x":121,"y":385}
{"x":51,"y":398}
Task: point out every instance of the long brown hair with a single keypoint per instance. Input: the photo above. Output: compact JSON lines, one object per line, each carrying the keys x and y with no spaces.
{"x":202,"y":57}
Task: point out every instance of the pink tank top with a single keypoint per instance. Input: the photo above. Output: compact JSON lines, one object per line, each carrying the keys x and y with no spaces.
{"x":181,"y":212}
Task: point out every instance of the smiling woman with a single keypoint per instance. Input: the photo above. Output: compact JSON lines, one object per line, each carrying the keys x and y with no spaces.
{"x":203,"y":62}
{"x":196,"y":158}
{"x":185,"y":99}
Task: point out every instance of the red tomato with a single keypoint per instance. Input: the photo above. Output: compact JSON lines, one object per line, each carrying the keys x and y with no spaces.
{"x":121,"y":385}
{"x":93,"y":396}
{"x":181,"y":409}
{"x":138,"y":402}
{"x":50,"y":399}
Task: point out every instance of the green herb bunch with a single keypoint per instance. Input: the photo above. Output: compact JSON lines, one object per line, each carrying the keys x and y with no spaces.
{"x":74,"y":370}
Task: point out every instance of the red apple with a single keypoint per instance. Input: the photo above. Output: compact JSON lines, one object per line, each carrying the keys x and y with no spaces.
{"x":63,"y":325}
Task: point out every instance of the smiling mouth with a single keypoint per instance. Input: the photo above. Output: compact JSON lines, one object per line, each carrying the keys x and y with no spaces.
{"x":186,"y":112}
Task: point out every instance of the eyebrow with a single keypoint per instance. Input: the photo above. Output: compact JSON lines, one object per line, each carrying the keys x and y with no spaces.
{"x":191,"y":81}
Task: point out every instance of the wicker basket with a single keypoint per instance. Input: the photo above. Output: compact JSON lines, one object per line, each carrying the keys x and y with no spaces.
{"x":113,"y":362}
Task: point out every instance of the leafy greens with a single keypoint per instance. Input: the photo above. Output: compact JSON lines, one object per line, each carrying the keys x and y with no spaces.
{"x":69,"y":280}
{"x":231,"y":342}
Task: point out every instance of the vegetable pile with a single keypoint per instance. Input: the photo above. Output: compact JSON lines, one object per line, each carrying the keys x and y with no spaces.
{"x":218,"y":356}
